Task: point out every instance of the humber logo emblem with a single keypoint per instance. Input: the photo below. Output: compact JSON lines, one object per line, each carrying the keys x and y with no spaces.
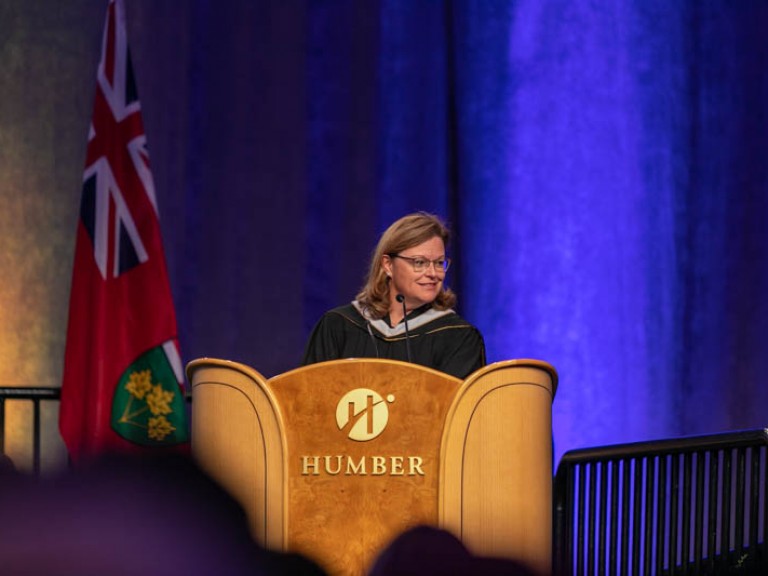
{"x":362,"y":414}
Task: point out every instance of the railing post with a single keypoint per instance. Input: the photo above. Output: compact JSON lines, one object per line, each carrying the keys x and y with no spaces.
{"x":36,"y":395}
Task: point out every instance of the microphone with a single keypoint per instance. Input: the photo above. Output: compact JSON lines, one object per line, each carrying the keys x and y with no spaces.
{"x":373,"y":339}
{"x":400,"y":298}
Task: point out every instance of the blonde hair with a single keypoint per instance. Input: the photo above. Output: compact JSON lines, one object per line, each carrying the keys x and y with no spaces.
{"x":407,"y":232}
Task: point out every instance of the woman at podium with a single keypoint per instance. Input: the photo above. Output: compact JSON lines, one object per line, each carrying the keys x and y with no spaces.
{"x":404,"y":311}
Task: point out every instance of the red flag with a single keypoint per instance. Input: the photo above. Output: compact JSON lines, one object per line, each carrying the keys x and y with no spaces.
{"x":122,"y":387}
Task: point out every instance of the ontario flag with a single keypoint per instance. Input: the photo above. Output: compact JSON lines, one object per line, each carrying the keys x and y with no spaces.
{"x":122,"y":390}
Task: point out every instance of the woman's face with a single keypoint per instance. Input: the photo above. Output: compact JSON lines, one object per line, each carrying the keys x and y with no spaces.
{"x":419,"y":288}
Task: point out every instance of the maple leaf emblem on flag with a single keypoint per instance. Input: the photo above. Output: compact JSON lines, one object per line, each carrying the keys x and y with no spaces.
{"x":147,"y":407}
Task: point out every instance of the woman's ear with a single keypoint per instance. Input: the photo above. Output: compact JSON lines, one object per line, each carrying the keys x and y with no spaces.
{"x":386,"y":264}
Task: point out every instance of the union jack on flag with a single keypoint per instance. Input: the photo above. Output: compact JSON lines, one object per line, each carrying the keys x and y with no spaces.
{"x":116,"y":138}
{"x":122,"y":386}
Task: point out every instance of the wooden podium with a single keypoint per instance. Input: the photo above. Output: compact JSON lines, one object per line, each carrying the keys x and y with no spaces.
{"x":336,"y":459}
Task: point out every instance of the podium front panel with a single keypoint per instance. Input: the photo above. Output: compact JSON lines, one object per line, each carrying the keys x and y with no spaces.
{"x":363,"y":456}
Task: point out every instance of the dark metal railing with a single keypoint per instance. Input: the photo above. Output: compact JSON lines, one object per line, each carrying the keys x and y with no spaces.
{"x":35,"y":395}
{"x":693,"y":505}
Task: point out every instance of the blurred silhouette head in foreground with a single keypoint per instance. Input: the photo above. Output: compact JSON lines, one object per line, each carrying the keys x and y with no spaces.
{"x":431,"y":551}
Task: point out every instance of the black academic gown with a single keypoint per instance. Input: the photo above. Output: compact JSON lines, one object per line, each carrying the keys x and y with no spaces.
{"x":437,"y":339}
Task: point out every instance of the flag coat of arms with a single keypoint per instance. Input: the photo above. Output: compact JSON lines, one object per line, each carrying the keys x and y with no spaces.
{"x":122,"y":390}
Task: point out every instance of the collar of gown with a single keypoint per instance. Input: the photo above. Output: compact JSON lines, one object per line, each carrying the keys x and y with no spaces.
{"x":416,"y":319}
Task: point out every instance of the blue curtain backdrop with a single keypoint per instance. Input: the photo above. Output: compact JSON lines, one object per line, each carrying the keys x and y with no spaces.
{"x":603,"y":165}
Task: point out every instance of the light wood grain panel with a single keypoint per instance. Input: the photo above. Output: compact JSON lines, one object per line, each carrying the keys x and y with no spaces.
{"x":496,"y":489}
{"x":237,"y":439}
{"x":343,"y":520}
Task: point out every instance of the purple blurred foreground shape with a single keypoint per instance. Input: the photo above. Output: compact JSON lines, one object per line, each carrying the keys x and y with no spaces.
{"x":164,"y":516}
{"x":127,"y":517}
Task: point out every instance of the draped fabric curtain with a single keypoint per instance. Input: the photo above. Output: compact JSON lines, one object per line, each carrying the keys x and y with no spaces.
{"x":602,"y":165}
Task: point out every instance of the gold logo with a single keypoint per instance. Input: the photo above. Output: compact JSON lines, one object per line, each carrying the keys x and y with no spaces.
{"x":362,"y":414}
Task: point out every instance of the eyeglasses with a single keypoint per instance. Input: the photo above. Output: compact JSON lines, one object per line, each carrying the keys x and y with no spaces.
{"x":419,"y":263}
